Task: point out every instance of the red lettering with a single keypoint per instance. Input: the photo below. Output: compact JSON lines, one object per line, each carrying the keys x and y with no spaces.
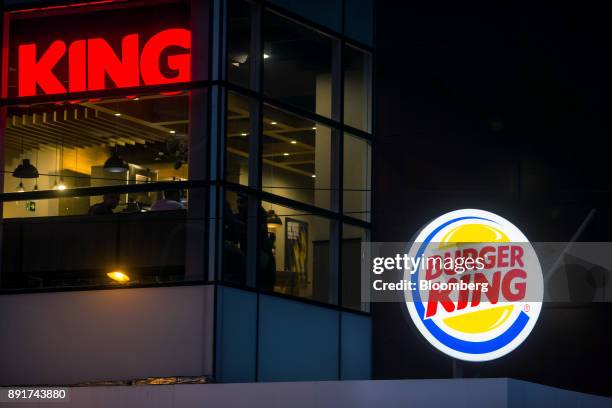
{"x":489,"y":261}
{"x":441,"y":296}
{"x":102,"y":59}
{"x":492,"y":292}
{"x":149,"y":61}
{"x":516,"y":255}
{"x":77,"y":77}
{"x":91,"y":61}
{"x":519,"y":287}
{"x":32,"y":72}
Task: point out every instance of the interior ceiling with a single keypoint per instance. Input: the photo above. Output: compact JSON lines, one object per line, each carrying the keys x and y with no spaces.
{"x":145,"y":129}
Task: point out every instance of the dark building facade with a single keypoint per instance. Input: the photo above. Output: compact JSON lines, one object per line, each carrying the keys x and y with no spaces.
{"x":186,"y":189}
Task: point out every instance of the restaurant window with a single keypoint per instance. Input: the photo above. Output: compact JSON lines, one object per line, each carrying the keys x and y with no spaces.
{"x":238,"y":138}
{"x":297,"y":64}
{"x":297,"y":158}
{"x":352,"y":239}
{"x":95,"y":143}
{"x":295,"y":253}
{"x":357,"y":194}
{"x":357,"y":89}
{"x":239,"y":42}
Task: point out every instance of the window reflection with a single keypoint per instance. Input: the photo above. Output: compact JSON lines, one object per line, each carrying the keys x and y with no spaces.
{"x":357,"y":162}
{"x":297,"y":64}
{"x":239,"y":37}
{"x":357,"y":89}
{"x":352,"y":238}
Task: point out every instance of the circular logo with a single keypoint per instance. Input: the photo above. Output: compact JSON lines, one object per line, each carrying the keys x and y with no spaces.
{"x":477,"y":292}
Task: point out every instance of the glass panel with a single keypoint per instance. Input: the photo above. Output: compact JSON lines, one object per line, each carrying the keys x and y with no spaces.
{"x":235,"y":242}
{"x":297,"y":64}
{"x":297,"y":158}
{"x":120,"y":244}
{"x":295,"y":253}
{"x":93,"y":143}
{"x":357,"y":89}
{"x":352,"y":237}
{"x":238,"y":138}
{"x":239,"y":38}
{"x":357,"y":177}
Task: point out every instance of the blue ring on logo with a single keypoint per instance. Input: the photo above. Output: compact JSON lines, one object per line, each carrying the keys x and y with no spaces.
{"x":463,"y":346}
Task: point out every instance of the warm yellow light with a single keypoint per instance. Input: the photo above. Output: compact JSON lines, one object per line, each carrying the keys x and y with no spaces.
{"x":273,"y":123}
{"x":117,"y":114}
{"x":118,"y":276}
{"x":285,"y":154}
{"x":293,"y":142}
{"x":61,"y":186}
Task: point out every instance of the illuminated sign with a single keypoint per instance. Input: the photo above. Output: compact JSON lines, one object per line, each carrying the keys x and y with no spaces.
{"x":90,"y":61}
{"x":451,"y":309}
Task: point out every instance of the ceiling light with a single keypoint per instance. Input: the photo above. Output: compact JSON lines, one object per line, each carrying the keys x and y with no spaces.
{"x":20,"y":188}
{"x":273,"y":123}
{"x":273,"y":220}
{"x":266,"y":56}
{"x":236,"y":64}
{"x":117,"y":114}
{"x":243,"y":134}
{"x":314,"y":128}
{"x":118,"y":276}
{"x":115,"y":164}
{"x":314,"y":176}
{"x":285,"y":154}
{"x":293,"y":142}
{"x":25,"y":170}
{"x":173,"y":131}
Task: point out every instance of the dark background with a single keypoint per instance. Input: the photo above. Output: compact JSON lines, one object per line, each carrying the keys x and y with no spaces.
{"x":505,"y":109}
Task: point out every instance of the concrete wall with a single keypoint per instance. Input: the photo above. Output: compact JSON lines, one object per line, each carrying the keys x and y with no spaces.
{"x":74,"y":337}
{"x":472,"y":393}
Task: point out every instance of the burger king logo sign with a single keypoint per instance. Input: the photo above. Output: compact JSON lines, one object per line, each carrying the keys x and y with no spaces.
{"x":487,"y":307}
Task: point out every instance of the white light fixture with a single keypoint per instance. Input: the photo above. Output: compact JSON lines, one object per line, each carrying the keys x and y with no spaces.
{"x":243,"y":134}
{"x":236,"y":64}
{"x":266,"y":56}
{"x":314,"y":128}
{"x":285,"y":154}
{"x":293,"y":142}
{"x":273,"y":123}
{"x":117,"y":114}
{"x":173,"y":131}
{"x":314,"y":176}
{"x":20,"y":188}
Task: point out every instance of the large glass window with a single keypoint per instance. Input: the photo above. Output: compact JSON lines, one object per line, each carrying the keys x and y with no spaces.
{"x":297,"y":158}
{"x":95,"y":143}
{"x":239,"y":42}
{"x":352,"y":239}
{"x":295,"y":253}
{"x":297,"y":64}
{"x":357,"y":89}
{"x":238,"y":138}
{"x":357,"y":177}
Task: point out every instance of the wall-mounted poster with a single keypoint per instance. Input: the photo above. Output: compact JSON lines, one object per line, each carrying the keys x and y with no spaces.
{"x":296,"y":247}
